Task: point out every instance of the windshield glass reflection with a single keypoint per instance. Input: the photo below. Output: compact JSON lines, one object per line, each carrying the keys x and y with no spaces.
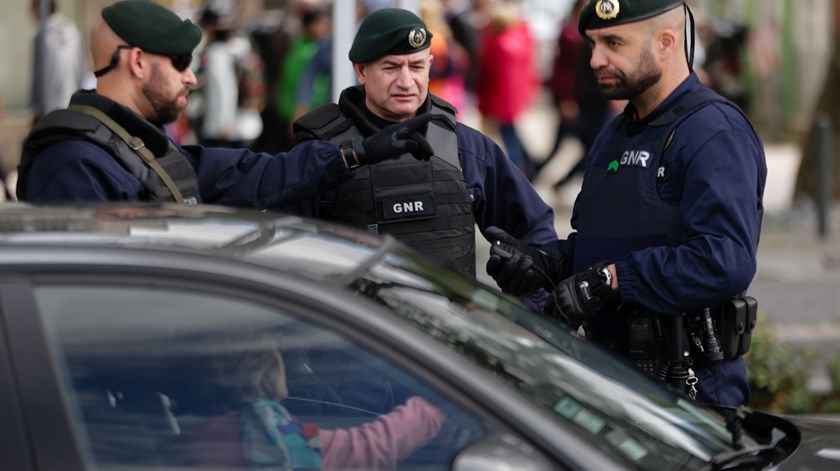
{"x":608,"y":401}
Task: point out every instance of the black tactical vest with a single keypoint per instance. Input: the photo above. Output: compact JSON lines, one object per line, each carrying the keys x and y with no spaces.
{"x":426,"y":205}
{"x":66,"y":124}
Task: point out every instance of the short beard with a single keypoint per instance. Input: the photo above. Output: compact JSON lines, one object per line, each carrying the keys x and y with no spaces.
{"x":166,"y":109}
{"x":629,"y":88}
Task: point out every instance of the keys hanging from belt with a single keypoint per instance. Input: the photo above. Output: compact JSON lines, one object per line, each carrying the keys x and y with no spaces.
{"x":691,"y":383}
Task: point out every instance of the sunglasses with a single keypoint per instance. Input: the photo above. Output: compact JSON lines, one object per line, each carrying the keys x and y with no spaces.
{"x":179,"y":61}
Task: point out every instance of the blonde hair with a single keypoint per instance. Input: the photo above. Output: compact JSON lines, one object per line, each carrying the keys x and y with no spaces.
{"x":250,"y":366}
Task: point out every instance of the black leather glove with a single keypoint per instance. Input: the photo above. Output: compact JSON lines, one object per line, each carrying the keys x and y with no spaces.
{"x":394,"y":140}
{"x":581,"y":295}
{"x":519,"y":268}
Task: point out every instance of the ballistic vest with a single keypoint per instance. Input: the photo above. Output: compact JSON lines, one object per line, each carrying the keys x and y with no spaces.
{"x":424,"y":204}
{"x":166,"y":177}
{"x":619,"y":207}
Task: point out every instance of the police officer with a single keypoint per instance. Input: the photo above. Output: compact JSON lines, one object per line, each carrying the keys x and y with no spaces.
{"x":668,"y":218}
{"x":110,"y":144}
{"x":431,"y":206}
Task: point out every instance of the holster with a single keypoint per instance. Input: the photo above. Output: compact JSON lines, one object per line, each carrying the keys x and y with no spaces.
{"x":735,"y":320}
{"x":658,"y":345}
{"x":646,"y":343}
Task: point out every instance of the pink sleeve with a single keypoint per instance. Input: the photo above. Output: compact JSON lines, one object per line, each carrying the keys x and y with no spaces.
{"x":383,"y":443}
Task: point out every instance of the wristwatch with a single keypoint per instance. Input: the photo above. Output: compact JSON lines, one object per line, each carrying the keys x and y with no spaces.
{"x":349,"y":158}
{"x":606,"y":275}
{"x":602,"y":289}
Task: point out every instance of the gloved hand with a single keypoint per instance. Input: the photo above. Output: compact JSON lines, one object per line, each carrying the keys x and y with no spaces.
{"x":519,"y":268}
{"x":581,"y":295}
{"x":394,"y":140}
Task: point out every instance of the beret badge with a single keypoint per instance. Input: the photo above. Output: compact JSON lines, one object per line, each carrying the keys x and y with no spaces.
{"x":417,"y":37}
{"x":607,"y":9}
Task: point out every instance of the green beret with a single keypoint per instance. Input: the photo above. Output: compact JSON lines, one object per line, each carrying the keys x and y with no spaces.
{"x":605,"y":13}
{"x":389,"y":31}
{"x":152,"y":27}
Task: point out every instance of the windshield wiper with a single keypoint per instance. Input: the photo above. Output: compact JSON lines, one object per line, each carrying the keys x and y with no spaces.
{"x":754,"y":458}
{"x":760,"y":424}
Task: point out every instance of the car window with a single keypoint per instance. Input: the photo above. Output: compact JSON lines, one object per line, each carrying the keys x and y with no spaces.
{"x":160,"y":378}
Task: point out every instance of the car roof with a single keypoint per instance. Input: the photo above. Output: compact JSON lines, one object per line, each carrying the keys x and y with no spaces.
{"x":271,"y":239}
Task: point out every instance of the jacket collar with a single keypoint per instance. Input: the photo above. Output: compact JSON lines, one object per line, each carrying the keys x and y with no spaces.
{"x":630,"y":113}
{"x":151,"y":135}
{"x":352,"y":104}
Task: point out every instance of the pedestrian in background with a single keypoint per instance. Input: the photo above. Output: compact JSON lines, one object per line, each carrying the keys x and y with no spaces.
{"x":109,"y":145}
{"x":579,"y":104}
{"x":275,"y":48}
{"x":60,"y":67}
{"x":231,"y":116}
{"x":431,"y":206}
{"x":669,"y":215}
{"x":446,"y":76}
{"x":506,"y":82}
{"x":315,"y":26}
{"x":315,"y":85}
{"x":463,"y":22}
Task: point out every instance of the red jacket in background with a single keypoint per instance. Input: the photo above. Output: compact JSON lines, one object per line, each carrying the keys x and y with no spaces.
{"x":507,"y":82}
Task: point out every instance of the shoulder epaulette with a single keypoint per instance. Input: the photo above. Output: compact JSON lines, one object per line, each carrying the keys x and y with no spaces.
{"x":441,"y":103}
{"x":323,"y":122}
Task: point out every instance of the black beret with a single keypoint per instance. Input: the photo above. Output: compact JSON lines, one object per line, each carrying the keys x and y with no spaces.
{"x":389,"y":31}
{"x":605,"y":13}
{"x":152,"y":27}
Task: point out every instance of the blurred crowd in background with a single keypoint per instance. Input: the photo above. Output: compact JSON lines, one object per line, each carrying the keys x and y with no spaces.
{"x":258,"y":73}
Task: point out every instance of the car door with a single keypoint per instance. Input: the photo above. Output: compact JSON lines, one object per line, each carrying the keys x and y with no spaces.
{"x":156,"y":369}
{"x":14,"y":446}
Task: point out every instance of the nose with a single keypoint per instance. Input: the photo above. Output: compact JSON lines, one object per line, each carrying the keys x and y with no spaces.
{"x":599,"y":59}
{"x":404,"y":77}
{"x":188,"y":77}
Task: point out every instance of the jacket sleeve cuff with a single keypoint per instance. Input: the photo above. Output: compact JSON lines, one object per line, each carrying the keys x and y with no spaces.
{"x":625,"y":279}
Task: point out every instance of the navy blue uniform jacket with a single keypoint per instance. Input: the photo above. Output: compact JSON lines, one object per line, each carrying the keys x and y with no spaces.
{"x":80,"y":171}
{"x":716,"y":180}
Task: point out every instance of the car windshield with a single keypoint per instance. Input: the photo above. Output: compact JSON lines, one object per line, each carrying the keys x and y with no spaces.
{"x":607,"y":400}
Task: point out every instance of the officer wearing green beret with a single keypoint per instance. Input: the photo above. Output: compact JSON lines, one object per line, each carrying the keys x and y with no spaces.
{"x":110,"y":144}
{"x":669,"y":214}
{"x":431,"y":206}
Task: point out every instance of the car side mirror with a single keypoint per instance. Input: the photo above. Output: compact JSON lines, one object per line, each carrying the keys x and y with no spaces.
{"x":500,"y":452}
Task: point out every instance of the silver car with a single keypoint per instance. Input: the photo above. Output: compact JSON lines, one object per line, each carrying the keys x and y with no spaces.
{"x":138,"y":337}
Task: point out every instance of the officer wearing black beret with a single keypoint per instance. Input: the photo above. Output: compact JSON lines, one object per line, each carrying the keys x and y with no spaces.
{"x":110,"y":144}
{"x":668,"y":218}
{"x":431,"y":206}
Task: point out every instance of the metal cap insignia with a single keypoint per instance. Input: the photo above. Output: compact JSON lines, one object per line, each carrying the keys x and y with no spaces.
{"x":417,"y":37}
{"x":607,"y":9}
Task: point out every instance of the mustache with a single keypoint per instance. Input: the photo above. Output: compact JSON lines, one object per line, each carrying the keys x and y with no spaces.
{"x":608,"y":73}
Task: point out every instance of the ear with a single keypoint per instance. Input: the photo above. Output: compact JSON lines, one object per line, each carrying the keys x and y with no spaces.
{"x":138,"y":65}
{"x":360,"y":70}
{"x":668,"y":43}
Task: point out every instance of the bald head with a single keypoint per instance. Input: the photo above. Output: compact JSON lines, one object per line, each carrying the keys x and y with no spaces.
{"x":673,"y":20}
{"x":103,"y":43}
